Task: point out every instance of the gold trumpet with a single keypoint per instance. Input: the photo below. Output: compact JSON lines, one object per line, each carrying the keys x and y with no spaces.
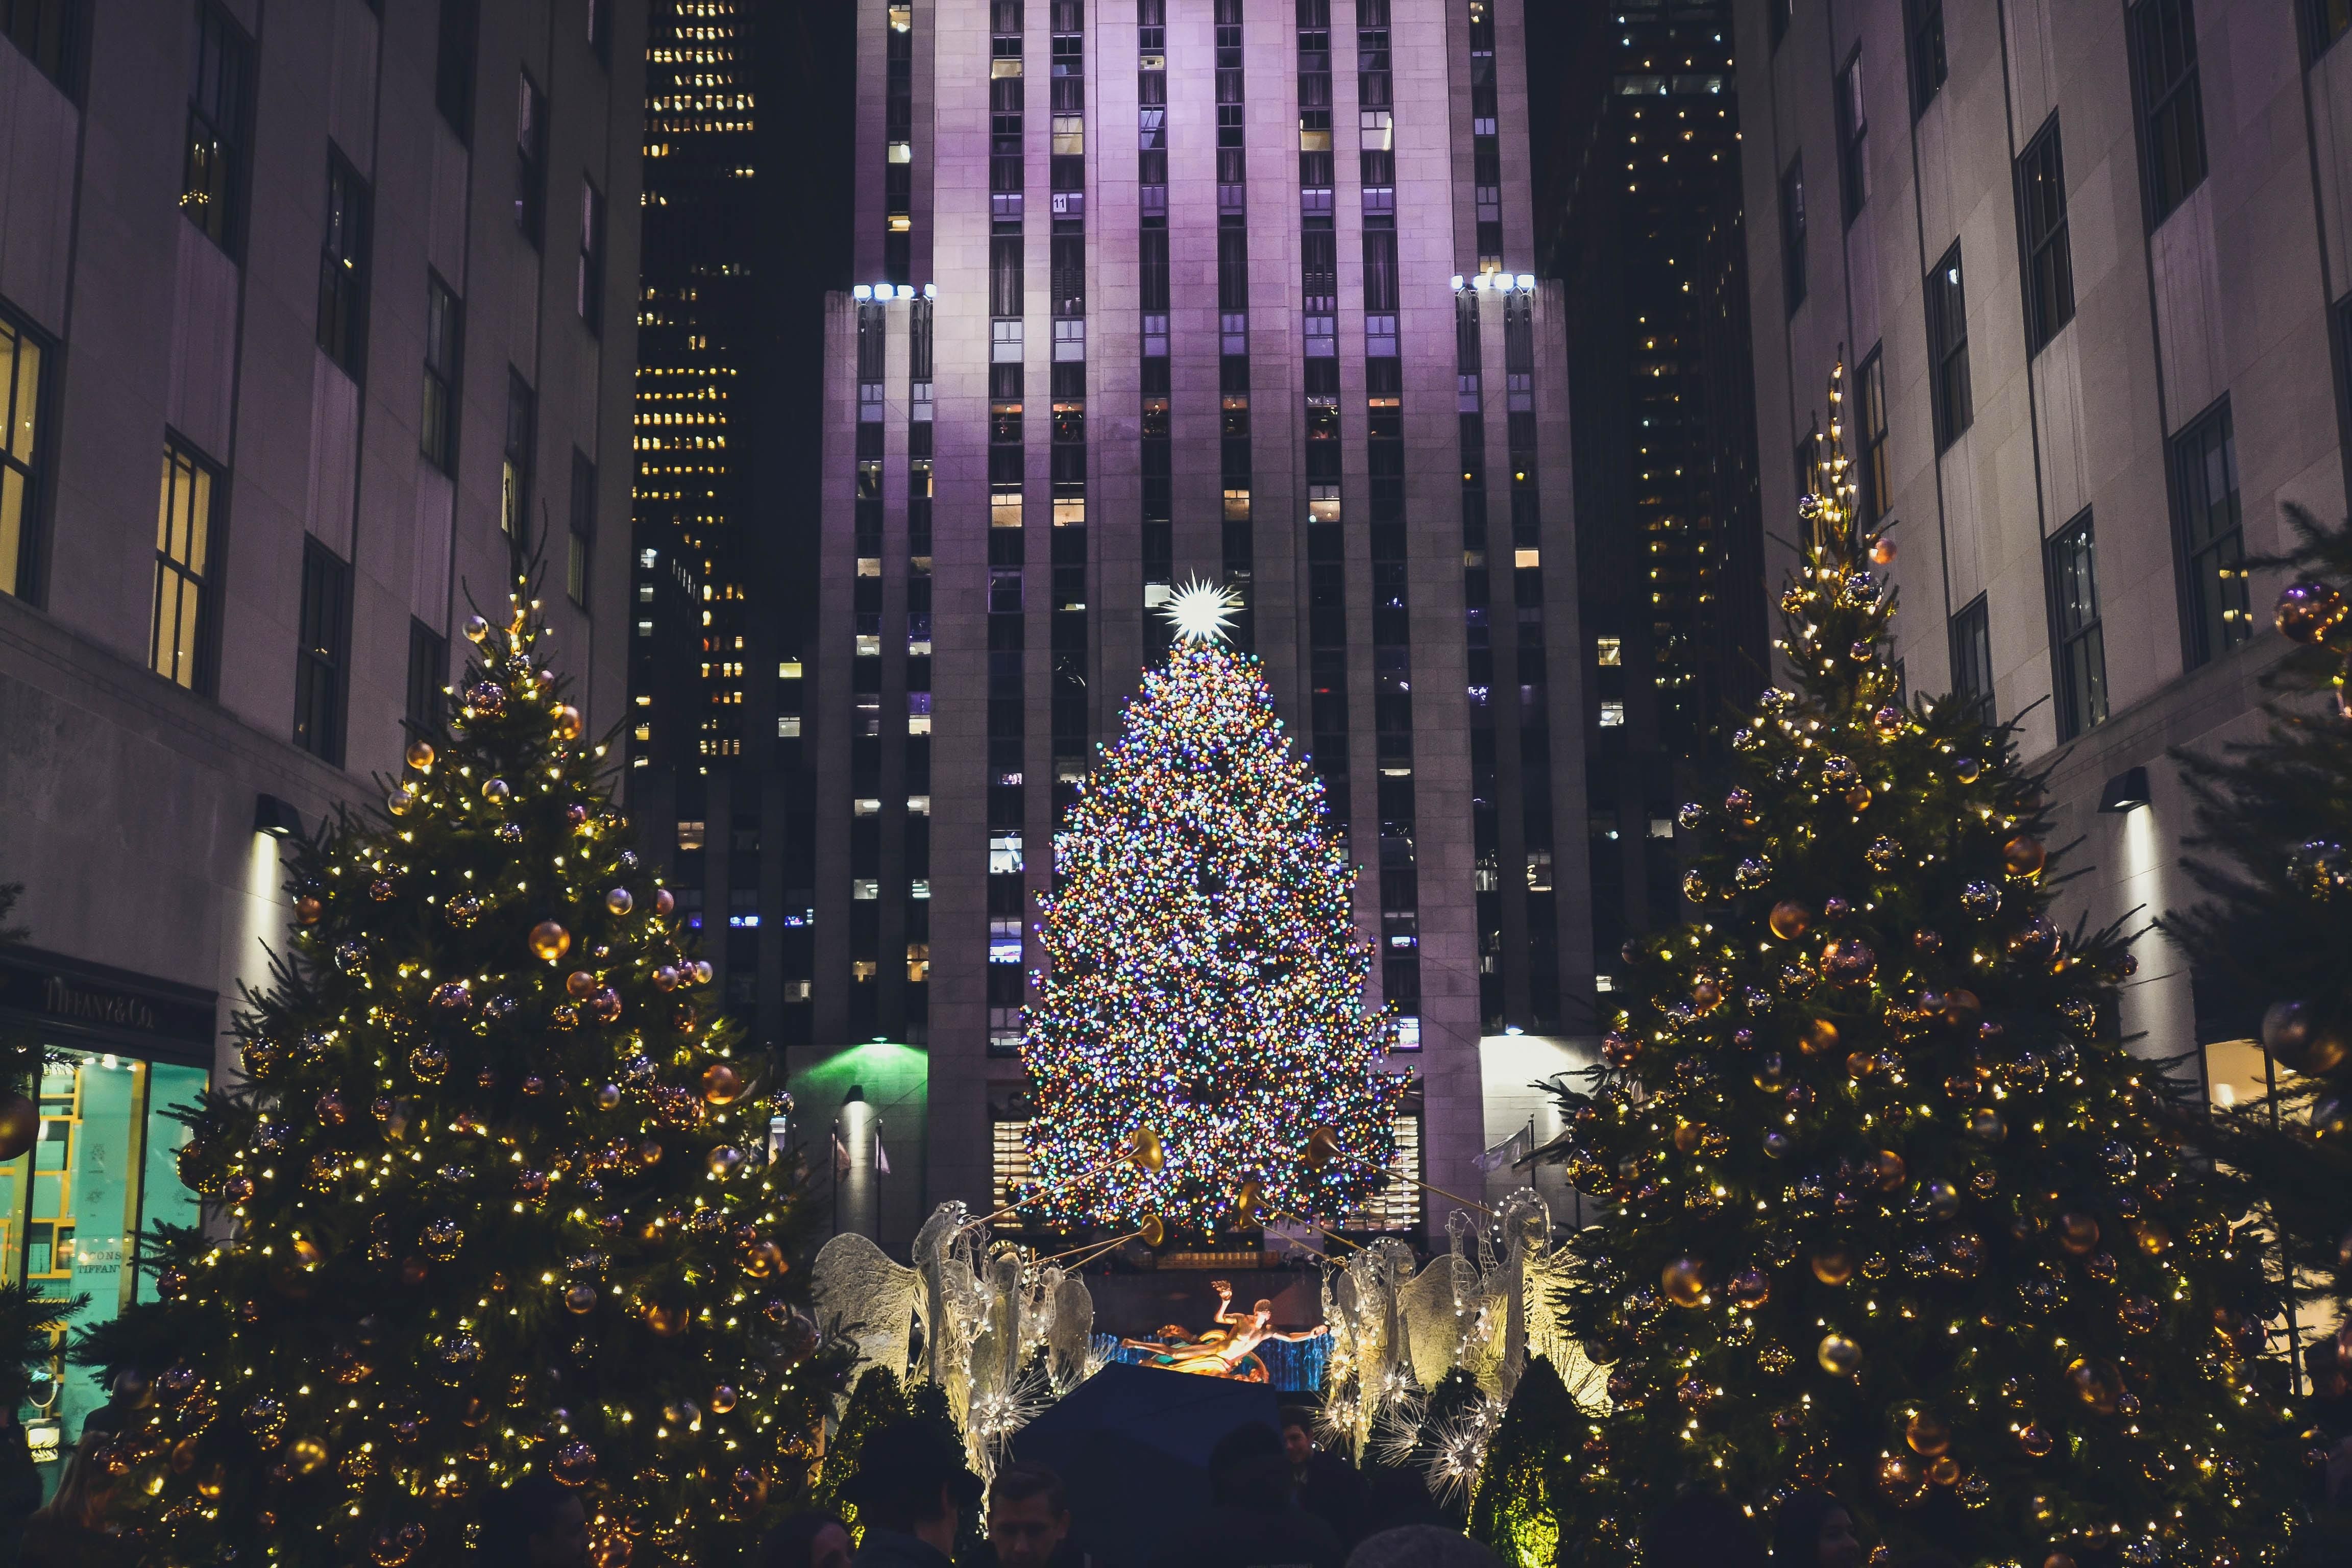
{"x":1143,"y":1150}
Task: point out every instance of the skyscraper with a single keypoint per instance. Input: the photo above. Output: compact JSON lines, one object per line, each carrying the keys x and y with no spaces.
{"x":1167,"y":289}
{"x":1641,"y":188}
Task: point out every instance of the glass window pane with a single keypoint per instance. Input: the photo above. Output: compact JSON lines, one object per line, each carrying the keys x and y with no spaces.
{"x":28,"y":401}
{"x":12,"y":527}
{"x":198,"y":525}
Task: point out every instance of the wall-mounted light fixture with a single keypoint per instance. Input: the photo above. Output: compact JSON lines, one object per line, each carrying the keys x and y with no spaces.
{"x":2127,"y":790}
{"x":275,"y":817}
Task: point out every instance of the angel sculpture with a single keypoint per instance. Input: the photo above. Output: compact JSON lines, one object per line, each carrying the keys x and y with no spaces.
{"x":1228,"y":1350}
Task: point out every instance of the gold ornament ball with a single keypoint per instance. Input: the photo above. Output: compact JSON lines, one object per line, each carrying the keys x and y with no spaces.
{"x":609,"y":1097}
{"x":549,"y":941}
{"x":721,"y":1084}
{"x":1927,"y":1434}
{"x":2094,"y":1383}
{"x":1899,"y":1479}
{"x":619,"y":900}
{"x":581,"y":1298}
{"x":476,"y":629}
{"x":1834,"y":1266}
{"x":664,"y":901}
{"x":419,"y":755}
{"x":496,"y":789}
{"x":568,"y":723}
{"x":666,"y":1321}
{"x":2078,"y":1233}
{"x":1685,"y":1283}
{"x":2024,"y":856}
{"x":307,"y":909}
{"x":305,"y":1455}
{"x":1945,"y":1471}
{"x":400,"y":800}
{"x":722,"y":1399}
{"x":580,"y":982}
{"x":724,"y":1159}
{"x":1839,"y":1356}
{"x":1790,"y":919}
{"x":1817,"y":1036}
{"x":1881,"y":551}
{"x":702,"y":972}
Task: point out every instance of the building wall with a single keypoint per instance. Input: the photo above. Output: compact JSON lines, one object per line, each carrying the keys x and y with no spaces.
{"x":2237,"y":293}
{"x":127,"y":801}
{"x":1467,"y":917}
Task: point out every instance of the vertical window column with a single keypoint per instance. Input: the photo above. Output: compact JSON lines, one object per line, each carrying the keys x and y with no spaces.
{"x":1007,"y":727}
{"x":1486,"y":879}
{"x":1158,"y":541}
{"x":1326,"y":549}
{"x":1233,"y":315}
{"x":1068,"y":456}
{"x":899,"y":144}
{"x":1534,"y":707}
{"x":917,"y":770}
{"x":866,"y":680}
{"x":1485,"y":145}
{"x":1392,"y":611}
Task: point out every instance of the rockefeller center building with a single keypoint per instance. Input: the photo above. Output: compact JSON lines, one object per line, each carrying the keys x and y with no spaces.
{"x":1154,"y":291}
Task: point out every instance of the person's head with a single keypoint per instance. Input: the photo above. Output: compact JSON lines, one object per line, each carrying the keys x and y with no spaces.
{"x":1702,"y":1530}
{"x":1028,"y":1515}
{"x":1264,"y":1311}
{"x":537,"y":1522}
{"x":88,"y":1485}
{"x":810,"y":1539}
{"x":1298,"y":1433}
{"x":911,"y":1479}
{"x":1814,"y":1530}
{"x":1248,"y":1468}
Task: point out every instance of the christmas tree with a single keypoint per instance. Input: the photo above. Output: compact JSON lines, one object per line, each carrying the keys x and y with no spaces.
{"x":1528,"y":1477}
{"x":2273,"y":820}
{"x":496,"y":1195}
{"x":1888,"y":1207}
{"x":876,"y":1401}
{"x":1205,"y":978}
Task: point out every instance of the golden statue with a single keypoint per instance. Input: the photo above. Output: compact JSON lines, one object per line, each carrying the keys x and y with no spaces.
{"x":1227,"y":1351}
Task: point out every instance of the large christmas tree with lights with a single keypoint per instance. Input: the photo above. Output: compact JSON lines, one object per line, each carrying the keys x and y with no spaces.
{"x":496,"y":1199}
{"x":2273,"y":823}
{"x":1206,"y":979}
{"x":1886,"y":1206}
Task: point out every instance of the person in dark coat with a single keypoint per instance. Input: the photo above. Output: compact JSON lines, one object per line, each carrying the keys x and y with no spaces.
{"x":1328,"y":1486}
{"x":20,"y":1481}
{"x":911,"y":1490}
{"x":1814,"y":1530}
{"x":1702,"y":1530}
{"x":537,"y":1522}
{"x":1253,"y":1518}
{"x":808,"y":1539}
{"x":71,"y":1530}
{"x":1029,"y":1523}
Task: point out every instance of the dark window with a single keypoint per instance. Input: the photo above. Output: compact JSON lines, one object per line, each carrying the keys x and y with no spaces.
{"x":1972,"y":659}
{"x":2212,"y":544}
{"x":445,"y":336}
{"x":2041,"y":233}
{"x":583,"y":527}
{"x":2171,"y":104}
{"x":453,"y":65}
{"x":2323,"y":22}
{"x":514,"y":473}
{"x":1853,"y":138}
{"x":1792,"y":234}
{"x":22,"y":456}
{"x":428,"y":672}
{"x":211,"y":184}
{"x":599,"y":31}
{"x":343,"y":268}
{"x":44,"y":29}
{"x":2078,"y":654}
{"x":1923,"y":47}
{"x":1870,"y":429}
{"x":1777,"y":14}
{"x":1947,"y":349}
{"x":590,"y":288}
{"x":530,"y":159}
{"x":177,"y":641}
{"x":321,"y":672}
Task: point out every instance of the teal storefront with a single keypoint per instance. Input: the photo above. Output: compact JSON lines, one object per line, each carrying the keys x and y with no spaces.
{"x":105,"y":1165}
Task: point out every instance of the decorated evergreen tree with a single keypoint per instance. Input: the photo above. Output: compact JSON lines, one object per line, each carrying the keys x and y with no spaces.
{"x":496,"y":1195}
{"x":1886,"y":1206}
{"x":875,"y":1402}
{"x":1206,"y":979}
{"x":2273,"y":820}
{"x":1528,"y":1476}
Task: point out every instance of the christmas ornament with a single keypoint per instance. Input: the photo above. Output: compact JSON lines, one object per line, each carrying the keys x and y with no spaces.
{"x":549,"y":941}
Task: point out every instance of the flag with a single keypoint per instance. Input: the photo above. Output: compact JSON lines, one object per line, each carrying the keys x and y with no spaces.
{"x":840,"y":1157}
{"x":1507,"y":1153}
{"x":881,"y":1155}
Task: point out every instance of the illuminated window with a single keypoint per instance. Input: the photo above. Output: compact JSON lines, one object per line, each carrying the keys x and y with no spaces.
{"x":182,"y":549}
{"x":1608,"y":652}
{"x":212,"y":186}
{"x":1612,"y":715}
{"x":22,"y":359}
{"x":1396,"y":1207}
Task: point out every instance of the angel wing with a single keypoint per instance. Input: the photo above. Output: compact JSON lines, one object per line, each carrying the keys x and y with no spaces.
{"x":860,"y":1291}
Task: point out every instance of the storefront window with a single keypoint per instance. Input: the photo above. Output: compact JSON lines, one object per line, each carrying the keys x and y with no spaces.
{"x":104,"y":1167}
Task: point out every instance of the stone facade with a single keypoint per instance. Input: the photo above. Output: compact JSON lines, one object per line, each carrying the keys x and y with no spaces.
{"x":1465,"y":811}
{"x":2204,"y":158}
{"x":129,"y":799}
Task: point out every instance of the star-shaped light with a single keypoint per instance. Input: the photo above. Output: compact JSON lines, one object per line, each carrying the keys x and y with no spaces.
{"x":1201,"y":611}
